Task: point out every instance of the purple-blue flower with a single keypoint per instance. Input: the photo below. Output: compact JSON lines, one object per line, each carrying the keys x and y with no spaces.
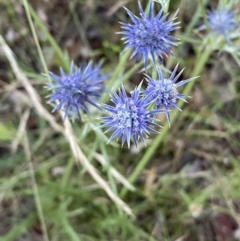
{"x":149,"y":35}
{"x":222,"y":22}
{"x":129,"y":117}
{"x":73,"y":92}
{"x":163,"y":92}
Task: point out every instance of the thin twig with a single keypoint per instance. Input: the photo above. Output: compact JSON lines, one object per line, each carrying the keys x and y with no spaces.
{"x":33,"y":95}
{"x":78,"y":154}
{"x":116,"y":6}
{"x":114,"y":172}
{"x":21,"y":131}
{"x":201,"y":174}
{"x":67,"y":131}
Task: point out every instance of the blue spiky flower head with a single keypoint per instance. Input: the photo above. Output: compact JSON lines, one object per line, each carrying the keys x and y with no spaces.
{"x":129,"y":117}
{"x":149,"y":35}
{"x":222,"y":22}
{"x":163,"y":92}
{"x":73,"y":92}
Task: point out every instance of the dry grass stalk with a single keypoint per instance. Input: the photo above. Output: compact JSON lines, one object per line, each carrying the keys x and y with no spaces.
{"x":67,"y":130}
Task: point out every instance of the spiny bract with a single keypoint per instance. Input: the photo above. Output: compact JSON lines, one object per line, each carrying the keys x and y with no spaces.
{"x":163,"y":92}
{"x":129,"y":117}
{"x":149,"y":35}
{"x":75,"y":90}
{"x":222,"y":22}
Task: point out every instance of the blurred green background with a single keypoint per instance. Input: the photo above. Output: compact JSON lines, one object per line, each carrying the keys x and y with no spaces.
{"x":186,"y":180}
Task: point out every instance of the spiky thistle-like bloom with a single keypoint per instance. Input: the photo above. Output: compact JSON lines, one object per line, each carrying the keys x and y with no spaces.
{"x":222,"y":22}
{"x":149,"y":35}
{"x":129,"y":117}
{"x":163,"y":92}
{"x":73,"y":92}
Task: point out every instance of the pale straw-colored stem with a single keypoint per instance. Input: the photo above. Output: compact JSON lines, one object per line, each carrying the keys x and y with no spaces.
{"x":67,"y":130}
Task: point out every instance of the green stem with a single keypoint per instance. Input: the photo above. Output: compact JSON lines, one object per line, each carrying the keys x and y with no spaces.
{"x":115,"y":80}
{"x":120,"y":67}
{"x":35,"y":188}
{"x":129,"y":73}
{"x":67,"y":174}
{"x":35,"y":37}
{"x":32,"y":14}
{"x":201,"y":61}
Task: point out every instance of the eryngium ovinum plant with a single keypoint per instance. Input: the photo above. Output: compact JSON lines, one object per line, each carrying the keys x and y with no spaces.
{"x":221,"y":24}
{"x":131,"y":116}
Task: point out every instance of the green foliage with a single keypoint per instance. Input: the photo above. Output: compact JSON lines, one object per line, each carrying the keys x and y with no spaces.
{"x":7,"y":131}
{"x":185,"y":174}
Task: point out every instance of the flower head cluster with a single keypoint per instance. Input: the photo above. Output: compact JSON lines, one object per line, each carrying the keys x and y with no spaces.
{"x":149,"y":35}
{"x":163,"y":92}
{"x":222,"y":22}
{"x":129,"y":117}
{"x":73,"y":92}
